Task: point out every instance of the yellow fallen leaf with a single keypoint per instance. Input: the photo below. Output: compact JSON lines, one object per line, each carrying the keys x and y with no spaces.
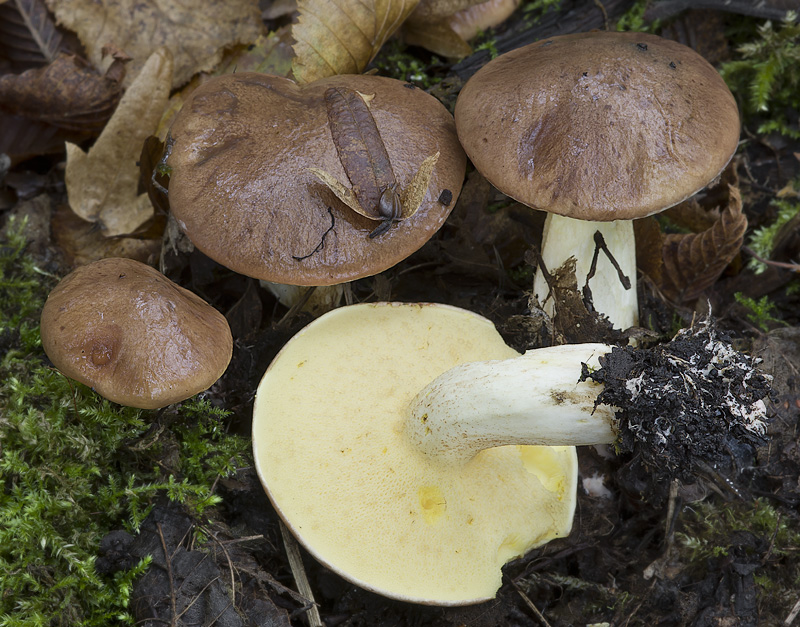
{"x":196,"y":31}
{"x":342,"y":36}
{"x":102,"y":184}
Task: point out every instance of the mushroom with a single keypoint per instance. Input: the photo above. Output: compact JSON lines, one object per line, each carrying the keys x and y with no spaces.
{"x":330,"y":449}
{"x":124,"y":329}
{"x":414,"y":453}
{"x":268,"y":178}
{"x":598,"y":129}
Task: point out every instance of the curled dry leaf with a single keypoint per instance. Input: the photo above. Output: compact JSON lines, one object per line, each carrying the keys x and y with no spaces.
{"x":342,"y":36}
{"x":701,"y":211}
{"x":67,"y":93}
{"x":360,"y":147}
{"x":195,"y":32}
{"x":694,"y":261}
{"x":102,"y":185}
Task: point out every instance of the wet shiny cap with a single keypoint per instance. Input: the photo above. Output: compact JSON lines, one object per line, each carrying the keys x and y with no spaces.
{"x":124,"y":329}
{"x":242,"y":184}
{"x":599,"y":125}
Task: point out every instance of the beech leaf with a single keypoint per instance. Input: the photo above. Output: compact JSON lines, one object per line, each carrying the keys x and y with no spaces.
{"x":694,"y":261}
{"x":28,"y":35}
{"x":102,"y":184}
{"x":68,"y":93}
{"x":342,"y":36}
{"x":195,"y":32}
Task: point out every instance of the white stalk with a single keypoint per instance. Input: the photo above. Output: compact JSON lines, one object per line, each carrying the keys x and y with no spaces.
{"x":532,"y":399}
{"x":566,"y":237}
{"x":322,"y":299}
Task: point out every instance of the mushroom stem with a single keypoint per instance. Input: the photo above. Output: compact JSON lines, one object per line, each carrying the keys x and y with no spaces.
{"x":567,"y":237}
{"x":532,"y":399}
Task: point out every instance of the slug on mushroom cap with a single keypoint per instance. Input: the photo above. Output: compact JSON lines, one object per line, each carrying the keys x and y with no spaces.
{"x":260,"y":167}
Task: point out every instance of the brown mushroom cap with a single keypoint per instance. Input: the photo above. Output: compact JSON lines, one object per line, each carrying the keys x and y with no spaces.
{"x":133,"y":335}
{"x":241,"y":188}
{"x":599,"y":125}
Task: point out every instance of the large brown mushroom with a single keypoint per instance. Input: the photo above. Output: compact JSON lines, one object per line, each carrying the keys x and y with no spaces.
{"x":137,"y":338}
{"x":603,"y":127}
{"x":249,"y":158}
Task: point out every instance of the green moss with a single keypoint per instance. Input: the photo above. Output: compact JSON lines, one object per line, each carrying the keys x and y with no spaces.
{"x":395,"y":61}
{"x":534,"y":10}
{"x":762,"y":240}
{"x":75,"y":466}
{"x":709,"y":532}
{"x":633,"y":19}
{"x":761,"y":312}
{"x":765,"y":76}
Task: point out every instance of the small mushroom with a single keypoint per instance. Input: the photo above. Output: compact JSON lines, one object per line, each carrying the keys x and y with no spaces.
{"x":124,"y":329}
{"x":598,"y":129}
{"x":277,"y":181}
{"x":412,"y":466}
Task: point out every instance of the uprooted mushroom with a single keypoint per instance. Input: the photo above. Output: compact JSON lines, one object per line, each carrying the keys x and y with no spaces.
{"x":413,"y":467}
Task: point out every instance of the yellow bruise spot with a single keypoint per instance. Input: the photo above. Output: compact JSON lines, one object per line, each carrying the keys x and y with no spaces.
{"x":546,"y":463}
{"x":432,"y":502}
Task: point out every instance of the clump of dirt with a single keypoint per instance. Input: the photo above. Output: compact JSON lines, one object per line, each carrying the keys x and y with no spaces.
{"x":685,"y":402}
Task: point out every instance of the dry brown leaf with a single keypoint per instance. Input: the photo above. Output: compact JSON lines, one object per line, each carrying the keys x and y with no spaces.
{"x":437,"y":36}
{"x":102,"y":184}
{"x":445,"y":27}
{"x":28,"y":35}
{"x":68,"y":93}
{"x":196,"y":32}
{"x":268,"y":54}
{"x":694,"y":261}
{"x":82,"y":242}
{"x":649,"y":244}
{"x":342,"y":36}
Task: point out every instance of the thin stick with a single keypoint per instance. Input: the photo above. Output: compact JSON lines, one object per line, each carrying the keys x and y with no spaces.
{"x":530,"y":604}
{"x":792,"y":615}
{"x":794,"y":267}
{"x":300,"y":578}
{"x":168,"y":560}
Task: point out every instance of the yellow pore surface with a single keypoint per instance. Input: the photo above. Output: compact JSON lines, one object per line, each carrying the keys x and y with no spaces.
{"x":330,"y":451}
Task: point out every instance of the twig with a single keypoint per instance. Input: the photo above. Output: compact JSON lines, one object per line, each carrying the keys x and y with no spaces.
{"x":792,"y":615}
{"x":300,"y":578}
{"x":530,"y":604}
{"x":321,"y":244}
{"x":794,"y":267}
{"x":230,"y":563}
{"x":602,"y":8}
{"x":168,"y":561}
